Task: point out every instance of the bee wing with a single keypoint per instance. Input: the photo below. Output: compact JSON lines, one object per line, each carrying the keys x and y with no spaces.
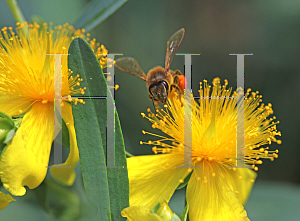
{"x":172,"y":46}
{"x":131,"y":66}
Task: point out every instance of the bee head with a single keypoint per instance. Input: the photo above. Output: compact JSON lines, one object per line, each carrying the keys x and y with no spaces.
{"x":159,"y":91}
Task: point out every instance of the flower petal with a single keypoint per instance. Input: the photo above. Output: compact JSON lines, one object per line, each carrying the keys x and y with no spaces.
{"x":24,"y":161}
{"x":138,"y":213}
{"x":242,"y":182}
{"x":67,"y":175}
{"x":210,"y":198}
{"x":5,"y":199}
{"x":154,"y":178}
{"x":14,"y":106}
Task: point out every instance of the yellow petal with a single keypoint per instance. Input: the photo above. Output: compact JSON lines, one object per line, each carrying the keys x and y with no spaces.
{"x":140,"y":213}
{"x":242,"y":183}
{"x":154,"y":178}
{"x":14,"y":106}
{"x":210,"y":198}
{"x":24,"y":160}
{"x":67,"y":175}
{"x":5,"y":199}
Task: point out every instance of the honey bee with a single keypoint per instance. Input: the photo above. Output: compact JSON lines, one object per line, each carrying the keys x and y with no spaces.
{"x":160,"y":82}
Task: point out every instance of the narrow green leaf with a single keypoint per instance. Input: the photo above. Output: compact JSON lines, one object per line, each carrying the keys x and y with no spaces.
{"x":184,"y":214}
{"x":107,"y":188}
{"x":96,"y":12}
{"x":185,"y":182}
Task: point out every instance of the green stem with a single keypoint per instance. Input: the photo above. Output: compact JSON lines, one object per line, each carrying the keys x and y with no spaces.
{"x":128,"y":154}
{"x":16,"y":11}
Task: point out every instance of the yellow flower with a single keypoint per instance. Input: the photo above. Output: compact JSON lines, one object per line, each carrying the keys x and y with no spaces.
{"x":215,"y":191}
{"x":5,"y":199}
{"x":27,"y":86}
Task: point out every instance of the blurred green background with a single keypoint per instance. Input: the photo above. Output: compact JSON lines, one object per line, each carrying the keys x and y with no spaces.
{"x":268,"y":29}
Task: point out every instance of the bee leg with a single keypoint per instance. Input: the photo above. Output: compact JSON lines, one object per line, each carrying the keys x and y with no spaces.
{"x":153,"y":105}
{"x":177,"y":72}
{"x":175,"y":85}
{"x":151,"y":97}
{"x":180,"y":98}
{"x":176,"y":80}
{"x":172,"y":87}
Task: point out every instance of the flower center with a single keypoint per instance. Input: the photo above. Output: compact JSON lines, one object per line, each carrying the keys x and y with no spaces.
{"x":214,"y":128}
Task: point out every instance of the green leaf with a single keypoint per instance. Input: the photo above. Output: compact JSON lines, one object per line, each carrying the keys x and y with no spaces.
{"x":184,"y":214}
{"x":107,"y":188}
{"x":96,"y":12}
{"x":185,"y":182}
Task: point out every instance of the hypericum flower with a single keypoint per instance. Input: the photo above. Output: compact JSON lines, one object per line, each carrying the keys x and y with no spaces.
{"x":27,"y":86}
{"x":5,"y":199}
{"x":215,"y":191}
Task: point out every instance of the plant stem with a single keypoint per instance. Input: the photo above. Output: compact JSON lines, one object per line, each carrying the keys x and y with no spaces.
{"x":16,"y":11}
